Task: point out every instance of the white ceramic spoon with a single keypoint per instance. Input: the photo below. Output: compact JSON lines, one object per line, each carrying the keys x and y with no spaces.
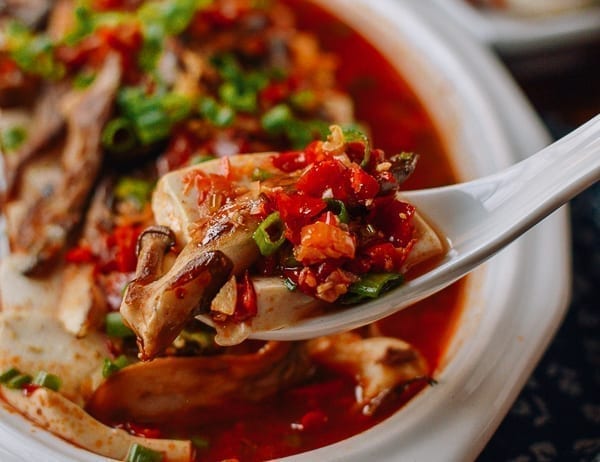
{"x":478,"y":218}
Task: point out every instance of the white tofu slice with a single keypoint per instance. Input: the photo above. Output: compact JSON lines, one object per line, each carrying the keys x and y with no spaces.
{"x":277,"y":307}
{"x":35,"y":342}
{"x":177,"y":210}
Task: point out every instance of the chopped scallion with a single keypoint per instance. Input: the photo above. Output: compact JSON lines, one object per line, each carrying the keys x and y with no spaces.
{"x":9,"y":374}
{"x":372,"y":285}
{"x":339,"y":208}
{"x":47,"y":380}
{"x":18,"y":381}
{"x":139,"y":453}
{"x":115,"y":327}
{"x":259,"y":174}
{"x":354,"y":135}
{"x":290,"y":285}
{"x":12,"y":138}
{"x":136,"y":189}
{"x":111,"y":367}
{"x":219,"y":115}
{"x":269,"y":235}
{"x":275,"y":119}
{"x":119,"y":135}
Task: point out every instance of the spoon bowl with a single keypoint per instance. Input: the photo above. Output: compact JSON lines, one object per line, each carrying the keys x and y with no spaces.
{"x":477,"y":219}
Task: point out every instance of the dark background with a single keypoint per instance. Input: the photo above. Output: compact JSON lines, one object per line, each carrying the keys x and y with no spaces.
{"x":557,"y":415}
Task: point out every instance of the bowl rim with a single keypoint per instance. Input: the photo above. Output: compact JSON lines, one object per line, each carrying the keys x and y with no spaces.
{"x":512,"y":34}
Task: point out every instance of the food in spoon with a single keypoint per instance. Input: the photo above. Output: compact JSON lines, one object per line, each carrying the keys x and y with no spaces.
{"x":118,"y":227}
{"x":324,"y":222}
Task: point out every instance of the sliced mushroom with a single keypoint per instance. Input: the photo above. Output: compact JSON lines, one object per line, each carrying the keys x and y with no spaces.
{"x":379,"y":364}
{"x":46,"y":122}
{"x":175,"y":387}
{"x":45,"y":228}
{"x":82,"y":304}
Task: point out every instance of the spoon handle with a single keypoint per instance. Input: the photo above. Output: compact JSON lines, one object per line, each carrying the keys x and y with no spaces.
{"x":491,"y":211}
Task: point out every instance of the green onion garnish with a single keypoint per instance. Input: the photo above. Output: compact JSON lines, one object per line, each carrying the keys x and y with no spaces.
{"x":19,"y":381}
{"x":219,"y":115}
{"x":200,"y":158}
{"x":290,"y":285}
{"x":372,"y":285}
{"x":139,"y":453}
{"x":9,"y":374}
{"x":303,"y":100}
{"x":111,"y":367}
{"x":115,"y":326}
{"x":47,"y":380}
{"x":275,"y":119}
{"x":338,"y":208}
{"x":83,"y":80}
{"x":354,"y":135}
{"x":270,"y":226}
{"x":12,"y":138}
{"x":259,"y":174}
{"x":119,"y":135}
{"x":33,"y":53}
{"x":135,"y":189}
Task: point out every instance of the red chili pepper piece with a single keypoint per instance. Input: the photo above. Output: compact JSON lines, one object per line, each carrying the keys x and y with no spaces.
{"x":313,"y":420}
{"x":364,"y":186}
{"x":394,"y":219}
{"x":325,"y":175}
{"x":246,"y":306}
{"x":123,"y":240}
{"x":384,"y":258}
{"x":80,"y":254}
{"x":297,"y":210}
{"x":290,"y":161}
{"x":140,"y":430}
{"x":30,"y":388}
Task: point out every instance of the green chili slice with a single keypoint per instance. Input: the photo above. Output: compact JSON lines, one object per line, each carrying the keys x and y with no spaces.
{"x":134,"y":189}
{"x":275,"y":119}
{"x":119,"y":135}
{"x":354,"y":135}
{"x":259,"y":174}
{"x":12,"y":138}
{"x":115,"y":327}
{"x":139,"y":453}
{"x":339,"y":208}
{"x":269,"y":235}
{"x":19,"y":381}
{"x":111,"y":367}
{"x":290,"y":285}
{"x":47,"y":380}
{"x":9,"y":375}
{"x":372,"y":285}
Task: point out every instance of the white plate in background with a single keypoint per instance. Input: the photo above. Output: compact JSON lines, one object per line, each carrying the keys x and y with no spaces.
{"x":515,"y":302}
{"x":513,"y":34}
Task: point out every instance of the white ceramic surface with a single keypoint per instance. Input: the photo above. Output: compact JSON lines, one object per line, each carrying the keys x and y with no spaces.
{"x":518,"y":34}
{"x":515,"y":302}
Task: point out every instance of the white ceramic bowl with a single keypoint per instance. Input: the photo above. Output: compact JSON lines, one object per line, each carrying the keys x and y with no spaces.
{"x":514,"y":303}
{"x":522,"y":34}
